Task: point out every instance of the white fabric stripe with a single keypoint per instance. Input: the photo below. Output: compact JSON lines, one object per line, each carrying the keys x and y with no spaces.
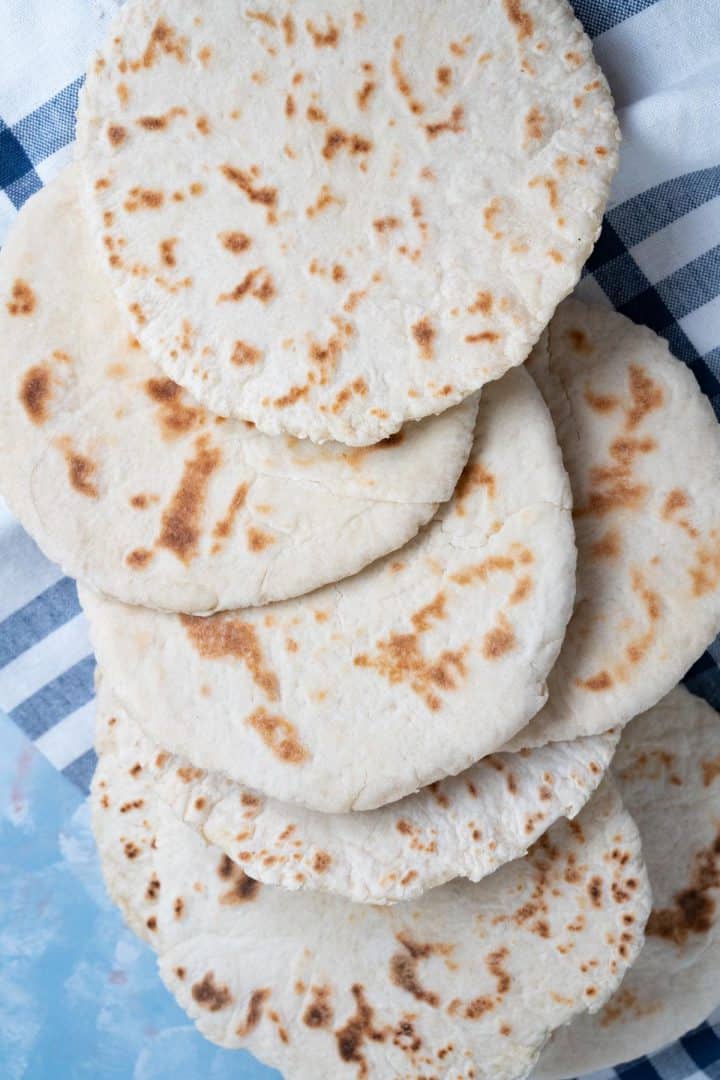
{"x":24,"y":571}
{"x":7,"y":214}
{"x":48,"y":169}
{"x":42,"y":663}
{"x":69,"y":739}
{"x":703,"y":326}
{"x":659,"y":47}
{"x":44,"y":47}
{"x":679,"y":243}
{"x":668,"y":135}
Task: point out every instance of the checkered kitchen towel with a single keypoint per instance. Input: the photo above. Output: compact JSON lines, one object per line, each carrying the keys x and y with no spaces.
{"x":658,"y":261}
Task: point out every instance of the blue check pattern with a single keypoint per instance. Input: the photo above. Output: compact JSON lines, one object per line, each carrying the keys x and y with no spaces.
{"x":46,"y":666}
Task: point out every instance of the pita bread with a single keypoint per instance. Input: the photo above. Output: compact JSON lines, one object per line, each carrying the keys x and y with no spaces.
{"x":317,"y":986}
{"x":130,"y":485}
{"x":370,"y":689}
{"x":642,"y":446}
{"x":330,"y":219}
{"x":465,"y":826}
{"x":668,"y":770}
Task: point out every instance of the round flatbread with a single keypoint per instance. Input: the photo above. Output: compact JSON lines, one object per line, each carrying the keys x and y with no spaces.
{"x":331,"y":218}
{"x":465,"y":826}
{"x":668,"y":771}
{"x":317,"y":986}
{"x":367,"y":690}
{"x":132,"y":486}
{"x":642,"y":447}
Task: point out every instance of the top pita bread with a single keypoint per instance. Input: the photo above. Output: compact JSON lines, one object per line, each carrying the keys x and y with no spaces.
{"x":363,"y":692}
{"x":329,"y":218}
{"x":467,"y":982}
{"x":668,"y":770}
{"x":642,"y":446}
{"x":130,"y":485}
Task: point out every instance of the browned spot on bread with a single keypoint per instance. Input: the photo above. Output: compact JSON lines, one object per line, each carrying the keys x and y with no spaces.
{"x":606,"y":546}
{"x":167,"y":252}
{"x":710,"y":770}
{"x":324,"y":199}
{"x":290,"y":108}
{"x":693,"y":908}
{"x":602,"y":681}
{"x":351,"y":1037}
{"x":264,"y":196}
{"x":224,"y":526}
{"x":705,"y":573}
{"x":474,"y":475}
{"x":399,"y":659}
{"x":322,"y":39}
{"x":142,"y":501}
{"x":638,"y":647}
{"x":550,"y":186}
{"x":262,"y":16}
{"x":211,"y":995}
{"x":203,"y":125}
{"x":321,"y":862}
{"x":443,"y":78}
{"x":401,"y":80}
{"x":486,"y":337}
{"x":143,"y":199}
{"x":116,"y":134}
{"x":139,"y":558}
{"x":293,"y":395}
{"x":424,"y":333}
{"x":404,"y":966}
{"x":257,"y":283}
{"x":288,"y":27}
{"x":181,"y":521}
{"x":336,"y":139}
{"x":520,"y":19}
{"x":234,"y":241}
{"x":162,"y":39}
{"x":279,"y":736}
{"x":384,"y":224}
{"x":489,"y":214}
{"x":218,"y":637}
{"x":315,"y":115}
{"x":257,"y":540}
{"x":36,"y":392}
{"x":601,"y":403}
{"x":358,"y":387}
{"x":22,"y":299}
{"x":364,"y":94}
{"x":324,"y":357}
{"x":422,"y":619}
{"x":243,"y":889}
{"x":319,"y":1012}
{"x":674,"y":501}
{"x":482,"y":570}
{"x":646,"y":396}
{"x":534,"y":125}
{"x":174,"y":416}
{"x":453,"y":124}
{"x":80,"y":469}
{"x":595,"y":891}
{"x":612,"y":486}
{"x":244,"y":354}
{"x":521,"y":591}
{"x":498,"y":641}
{"x":482,"y":304}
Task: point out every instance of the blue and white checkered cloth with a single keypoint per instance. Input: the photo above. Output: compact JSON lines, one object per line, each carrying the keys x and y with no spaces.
{"x":657,"y":261}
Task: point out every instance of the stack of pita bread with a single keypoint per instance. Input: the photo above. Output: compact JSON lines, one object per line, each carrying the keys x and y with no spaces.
{"x":383,"y":542}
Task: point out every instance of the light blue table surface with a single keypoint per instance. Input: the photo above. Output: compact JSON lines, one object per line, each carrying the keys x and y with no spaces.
{"x":79,"y":994}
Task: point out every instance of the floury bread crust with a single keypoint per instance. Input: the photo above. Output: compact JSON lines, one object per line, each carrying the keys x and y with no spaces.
{"x":370,"y":689}
{"x":132,"y":486}
{"x":668,"y":771}
{"x":317,"y":986}
{"x":331,"y":218}
{"x":642,"y":446}
{"x":465,"y":826}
